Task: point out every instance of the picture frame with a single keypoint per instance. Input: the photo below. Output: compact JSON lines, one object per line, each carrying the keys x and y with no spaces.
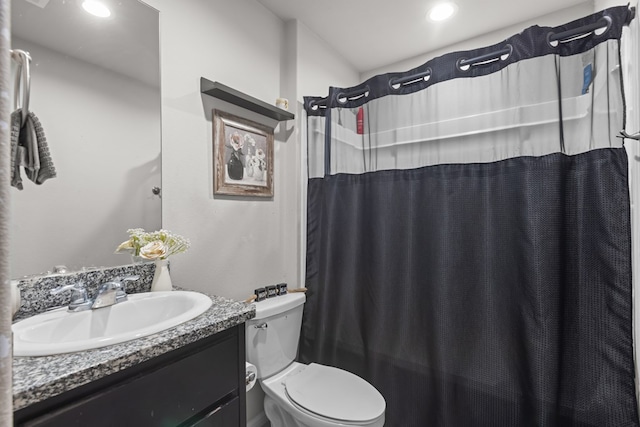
{"x":243,"y":156}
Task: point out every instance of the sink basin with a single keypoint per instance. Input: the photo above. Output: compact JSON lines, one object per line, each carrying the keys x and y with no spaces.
{"x":60,"y":331}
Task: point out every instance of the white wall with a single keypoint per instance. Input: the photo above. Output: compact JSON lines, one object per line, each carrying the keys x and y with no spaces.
{"x":110,"y":121}
{"x":319,"y":66}
{"x":603,"y":4}
{"x":236,"y":243}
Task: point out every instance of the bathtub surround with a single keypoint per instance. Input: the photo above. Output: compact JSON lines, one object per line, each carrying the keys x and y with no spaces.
{"x":6,"y":411}
{"x":484,"y":211}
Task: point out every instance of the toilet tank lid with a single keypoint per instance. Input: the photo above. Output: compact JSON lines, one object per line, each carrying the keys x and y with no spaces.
{"x":279,"y":304}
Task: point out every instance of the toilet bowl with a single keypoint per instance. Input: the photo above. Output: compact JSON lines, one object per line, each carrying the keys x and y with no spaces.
{"x":299,"y":395}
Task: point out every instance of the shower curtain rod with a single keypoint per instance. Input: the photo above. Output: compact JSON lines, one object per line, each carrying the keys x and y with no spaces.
{"x":484,"y":59}
{"x":569,"y":35}
{"x":395,"y":81}
{"x":553,"y":40}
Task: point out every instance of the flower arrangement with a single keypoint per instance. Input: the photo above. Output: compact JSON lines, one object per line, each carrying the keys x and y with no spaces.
{"x":153,"y":245}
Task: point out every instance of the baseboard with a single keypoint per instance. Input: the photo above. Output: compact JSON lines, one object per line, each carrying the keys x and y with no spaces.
{"x":260,"y":420}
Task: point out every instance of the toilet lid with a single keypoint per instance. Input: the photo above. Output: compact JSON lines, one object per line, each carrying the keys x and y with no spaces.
{"x":334,"y":393}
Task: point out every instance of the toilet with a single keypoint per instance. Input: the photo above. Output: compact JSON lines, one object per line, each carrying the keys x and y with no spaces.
{"x":299,"y":395}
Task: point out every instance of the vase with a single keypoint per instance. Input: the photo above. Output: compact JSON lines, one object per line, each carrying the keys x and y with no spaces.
{"x":235,"y":168}
{"x":161,"y":277}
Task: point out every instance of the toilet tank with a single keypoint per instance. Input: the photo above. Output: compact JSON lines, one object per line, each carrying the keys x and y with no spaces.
{"x":272,"y":336}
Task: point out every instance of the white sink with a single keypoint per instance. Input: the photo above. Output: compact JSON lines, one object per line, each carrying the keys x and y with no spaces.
{"x":60,"y":331}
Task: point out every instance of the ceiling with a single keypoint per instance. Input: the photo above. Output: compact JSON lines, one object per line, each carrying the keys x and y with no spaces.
{"x":370,"y":34}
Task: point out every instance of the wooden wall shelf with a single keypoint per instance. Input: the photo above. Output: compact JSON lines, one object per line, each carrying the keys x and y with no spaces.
{"x":233,"y":96}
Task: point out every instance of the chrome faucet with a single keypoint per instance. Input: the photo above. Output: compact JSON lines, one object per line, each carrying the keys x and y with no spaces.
{"x":109,"y":293}
{"x":112,"y":292}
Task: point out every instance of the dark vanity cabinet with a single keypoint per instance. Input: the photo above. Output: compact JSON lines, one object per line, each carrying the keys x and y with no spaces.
{"x":200,"y":384}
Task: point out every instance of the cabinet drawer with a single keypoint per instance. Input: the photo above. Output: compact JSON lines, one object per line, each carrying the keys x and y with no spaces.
{"x":222,"y":416}
{"x":163,"y":397}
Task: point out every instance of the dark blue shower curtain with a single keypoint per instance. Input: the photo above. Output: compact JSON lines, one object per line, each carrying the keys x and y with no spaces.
{"x":477,"y":293}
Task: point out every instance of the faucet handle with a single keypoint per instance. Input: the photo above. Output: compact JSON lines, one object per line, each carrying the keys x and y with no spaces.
{"x":130,"y":278}
{"x":75,"y":287}
{"x":79,"y":299}
{"x":120,"y":281}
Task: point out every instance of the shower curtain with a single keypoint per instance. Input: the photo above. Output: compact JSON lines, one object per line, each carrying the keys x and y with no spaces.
{"x":468,"y":234}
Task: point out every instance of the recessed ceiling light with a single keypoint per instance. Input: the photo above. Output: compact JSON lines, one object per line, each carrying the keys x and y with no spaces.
{"x":96,"y":8}
{"x":442,"y":11}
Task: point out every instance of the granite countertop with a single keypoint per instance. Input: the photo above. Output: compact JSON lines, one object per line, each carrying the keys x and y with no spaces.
{"x":38,"y":378}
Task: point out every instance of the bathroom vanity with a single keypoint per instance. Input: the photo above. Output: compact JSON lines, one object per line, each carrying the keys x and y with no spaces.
{"x":189,"y":375}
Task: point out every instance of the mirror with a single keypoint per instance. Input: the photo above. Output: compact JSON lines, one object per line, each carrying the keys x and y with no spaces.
{"x":95,"y":87}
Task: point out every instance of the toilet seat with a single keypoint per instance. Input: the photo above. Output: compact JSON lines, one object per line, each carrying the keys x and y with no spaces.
{"x":335,"y":394}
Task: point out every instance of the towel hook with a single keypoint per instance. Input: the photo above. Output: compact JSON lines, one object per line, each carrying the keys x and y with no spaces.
{"x":23,"y":82}
{"x":624,"y":134}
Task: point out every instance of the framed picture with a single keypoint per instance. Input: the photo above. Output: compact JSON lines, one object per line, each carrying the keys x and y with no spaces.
{"x":243,"y":156}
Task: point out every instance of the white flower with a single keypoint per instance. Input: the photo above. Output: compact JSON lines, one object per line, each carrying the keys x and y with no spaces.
{"x":153,"y":250}
{"x":248,"y":139}
{"x":153,"y":245}
{"x":126,"y":247}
